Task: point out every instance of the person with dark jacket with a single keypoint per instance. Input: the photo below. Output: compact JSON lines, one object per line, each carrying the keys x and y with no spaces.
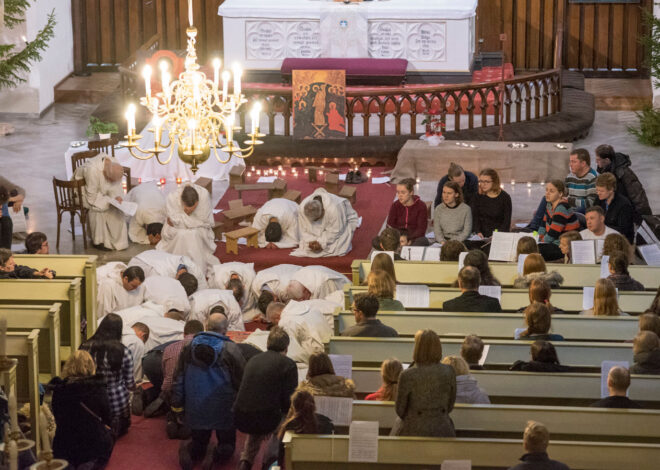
{"x":535,"y":442}
{"x":263,"y":399}
{"x":82,"y":414}
{"x":467,"y":180}
{"x":618,"y":381}
{"x":471,"y":300}
{"x":619,"y":275}
{"x":365,"y":308}
{"x":544,"y":359}
{"x":646,"y":353}
{"x":619,"y":212}
{"x":609,"y":161}
{"x":10,"y":270}
{"x":491,"y":208}
{"x":10,"y":196}
{"x":409,"y":213}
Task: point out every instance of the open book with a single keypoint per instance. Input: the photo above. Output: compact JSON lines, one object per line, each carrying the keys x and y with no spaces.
{"x":650,"y":253}
{"x":127,"y":207}
{"x":421,"y":253}
{"x":586,"y":251}
{"x":504,"y":246}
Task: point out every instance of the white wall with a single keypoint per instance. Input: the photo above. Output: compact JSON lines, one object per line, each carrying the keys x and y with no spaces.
{"x":57,"y":60}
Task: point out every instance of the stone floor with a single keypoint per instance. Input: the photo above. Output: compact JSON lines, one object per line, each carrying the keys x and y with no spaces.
{"x":34,"y":154}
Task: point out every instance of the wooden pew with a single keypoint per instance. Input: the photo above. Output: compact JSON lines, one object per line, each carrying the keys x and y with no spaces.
{"x":8,"y":377}
{"x":321,"y":452}
{"x":445,"y":273}
{"x":70,"y":267}
{"x":513,"y":299}
{"x":499,"y":325}
{"x":502,"y":352}
{"x":44,"y":318}
{"x":24,"y":346}
{"x":568,"y":421}
{"x":49,"y":291}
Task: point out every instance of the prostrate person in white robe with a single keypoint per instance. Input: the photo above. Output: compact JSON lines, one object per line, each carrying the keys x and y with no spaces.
{"x":277,"y":222}
{"x":189,"y":227}
{"x":133,"y":314}
{"x":237,"y":277}
{"x":162,"y":263}
{"x":134,"y":338}
{"x":103,"y":175}
{"x":326,"y":307}
{"x":150,"y":210}
{"x":118,"y":287}
{"x":163,"y":329}
{"x":270,"y":284}
{"x":203,"y":301}
{"x":326,"y":223}
{"x":170,"y":293}
{"x":315,"y":282}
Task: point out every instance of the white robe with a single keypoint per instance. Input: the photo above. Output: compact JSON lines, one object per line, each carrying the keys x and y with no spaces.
{"x":220,"y":275}
{"x":111,"y":294}
{"x":162,"y":263}
{"x":326,"y":307}
{"x":107,"y":223}
{"x":162,"y":330}
{"x":132,"y":315}
{"x":308,"y":326}
{"x":151,"y":210}
{"x":286,"y":212}
{"x":202,"y":301}
{"x":137,"y":349}
{"x":167,"y":292}
{"x":334,"y":231}
{"x":276,"y":279}
{"x":320,"y":281}
{"x":190,"y":235}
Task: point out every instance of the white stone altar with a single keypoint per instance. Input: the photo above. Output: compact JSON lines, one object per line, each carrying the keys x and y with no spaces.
{"x":434,"y":35}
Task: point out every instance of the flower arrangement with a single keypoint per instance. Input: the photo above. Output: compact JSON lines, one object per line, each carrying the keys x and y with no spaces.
{"x":434,"y":124}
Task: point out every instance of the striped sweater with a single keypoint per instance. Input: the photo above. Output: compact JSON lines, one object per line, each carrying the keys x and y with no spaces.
{"x":557,"y":221}
{"x":582,"y":191}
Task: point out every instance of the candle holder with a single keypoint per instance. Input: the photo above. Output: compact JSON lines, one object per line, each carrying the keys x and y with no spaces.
{"x":49,"y":463}
{"x":22,"y":444}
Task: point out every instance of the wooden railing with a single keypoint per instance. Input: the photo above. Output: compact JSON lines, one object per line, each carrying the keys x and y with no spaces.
{"x":129,"y":75}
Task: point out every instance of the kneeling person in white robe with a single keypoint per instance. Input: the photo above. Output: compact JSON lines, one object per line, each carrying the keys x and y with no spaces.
{"x":326,"y":223}
{"x":164,"y":329}
{"x":162,"y":263}
{"x":204,"y":302}
{"x":315,"y":282}
{"x":277,"y":222}
{"x":270,"y":284}
{"x":150,"y":210}
{"x":119,"y":287}
{"x":238,"y":278}
{"x":171,"y":293}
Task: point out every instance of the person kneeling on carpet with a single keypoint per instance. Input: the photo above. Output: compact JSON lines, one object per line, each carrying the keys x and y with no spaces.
{"x":277,"y":222}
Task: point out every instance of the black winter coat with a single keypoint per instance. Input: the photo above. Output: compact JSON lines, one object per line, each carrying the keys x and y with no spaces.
{"x":619,"y":215}
{"x":628,"y":184}
{"x":537,"y":366}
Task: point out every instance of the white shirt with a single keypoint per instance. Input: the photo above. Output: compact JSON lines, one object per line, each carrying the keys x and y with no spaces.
{"x":136,"y":347}
{"x":162,"y":330}
{"x":587,"y":234}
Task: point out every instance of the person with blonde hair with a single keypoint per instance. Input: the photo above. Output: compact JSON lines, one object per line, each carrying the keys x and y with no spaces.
{"x":491,"y":208}
{"x":384,"y":262}
{"x":534,"y":268}
{"x":82,"y":413}
{"x":538,"y":318}
{"x":427,"y":392}
{"x":390,"y":371}
{"x":535,"y":442}
{"x":646,"y":353}
{"x":467,"y":388}
{"x":565,"y":240}
{"x":605,"y":300}
{"x":526,"y":246}
{"x":381,"y":284}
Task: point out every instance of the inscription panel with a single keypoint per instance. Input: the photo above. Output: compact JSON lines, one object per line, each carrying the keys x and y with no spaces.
{"x":267,"y":40}
{"x":420,"y":41}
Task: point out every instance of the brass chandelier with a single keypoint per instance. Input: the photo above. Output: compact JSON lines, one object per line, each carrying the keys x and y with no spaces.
{"x":194,"y":111}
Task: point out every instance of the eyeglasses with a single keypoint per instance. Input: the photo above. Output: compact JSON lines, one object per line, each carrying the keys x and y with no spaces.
{"x":485,"y":181}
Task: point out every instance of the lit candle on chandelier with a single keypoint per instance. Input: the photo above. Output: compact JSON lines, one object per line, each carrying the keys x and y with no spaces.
{"x":190,"y":13}
{"x":196,"y":83}
{"x":146,"y":74}
{"x":256,"y":110}
{"x":166,"y":77}
{"x":216,"y":72}
{"x":258,"y":172}
{"x":229,"y":124}
{"x":157,"y":124}
{"x":130,"y":118}
{"x":225,"y":86}
{"x":192,"y":125}
{"x":237,"y":81}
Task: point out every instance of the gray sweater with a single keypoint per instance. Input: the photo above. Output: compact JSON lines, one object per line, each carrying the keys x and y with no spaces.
{"x":452,"y":223}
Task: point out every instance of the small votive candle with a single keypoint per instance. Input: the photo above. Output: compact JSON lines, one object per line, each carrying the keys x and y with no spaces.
{"x":529,"y":185}
{"x":417,"y":179}
{"x":279,"y":167}
{"x":249,"y":173}
{"x":513,"y":182}
{"x":283,"y":173}
{"x":162,"y":181}
{"x":306,"y":171}
{"x":178,"y":180}
{"x":320,"y":172}
{"x":139,"y":180}
{"x":258,"y":172}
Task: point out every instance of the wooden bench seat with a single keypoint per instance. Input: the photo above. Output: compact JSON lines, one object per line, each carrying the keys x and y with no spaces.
{"x":250,"y":233}
{"x":275,"y":189}
{"x":239,"y":214}
{"x":499,"y":325}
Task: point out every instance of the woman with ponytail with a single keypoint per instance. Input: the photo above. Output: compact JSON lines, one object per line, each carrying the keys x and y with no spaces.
{"x":390,"y":370}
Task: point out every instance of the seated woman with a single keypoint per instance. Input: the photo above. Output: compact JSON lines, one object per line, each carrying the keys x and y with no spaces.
{"x":452,"y":218}
{"x":526,"y":246}
{"x":452,"y":250}
{"x":605,"y":300}
{"x":383,"y":262}
{"x":558,"y":218}
{"x":467,"y":388}
{"x":409,"y":213}
{"x":466,"y":180}
{"x":322,"y":381}
{"x":427,"y":392}
{"x":540,"y":291}
{"x":565,"y":240}
{"x":382,"y":286}
{"x":479,"y":260}
{"x":646,"y":353}
{"x":616,"y":242}
{"x":390,"y":370}
{"x":10,"y":270}
{"x":619,"y":275}
{"x":544,"y":359}
{"x":534,"y":268}
{"x":491,"y":209}
{"x":649,"y":321}
{"x":619,"y":212}
{"x":82,"y":414}
{"x":538,"y":319}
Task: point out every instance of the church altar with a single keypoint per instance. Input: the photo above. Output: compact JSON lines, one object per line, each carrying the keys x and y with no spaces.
{"x":434,"y":36}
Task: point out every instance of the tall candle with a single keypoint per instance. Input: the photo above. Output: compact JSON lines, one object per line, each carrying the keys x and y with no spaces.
{"x":130,"y":118}
{"x":237,"y":80}
{"x":157,"y":124}
{"x":229,"y":123}
{"x":13,"y":413}
{"x":3,"y":337}
{"x":43,"y":426}
{"x":12,"y":450}
{"x":192,"y":125}
{"x":190,"y":13}
{"x":225,"y":85}
{"x":146,"y":74}
{"x":216,"y":72}
{"x":166,"y":85}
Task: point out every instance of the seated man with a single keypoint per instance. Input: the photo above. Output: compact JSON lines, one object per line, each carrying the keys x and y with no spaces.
{"x":277,"y":222}
{"x":170,"y":293}
{"x":189,"y":227}
{"x":103,"y":175}
{"x":238,"y":278}
{"x":326,"y":223}
{"x":150,"y":210}
{"x":596,"y":228}
{"x":619,"y":212}
{"x":618,"y":381}
{"x":365,"y":308}
{"x":471,"y":300}
{"x":162,"y":263}
{"x":36,"y":243}
{"x":315,"y":282}
{"x":203,"y":302}
{"x":270,"y":284}
{"x":535,"y":443}
{"x":118,"y":287}
{"x":10,"y":270}
{"x":133,"y":337}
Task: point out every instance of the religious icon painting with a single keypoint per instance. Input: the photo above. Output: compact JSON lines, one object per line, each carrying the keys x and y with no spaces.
{"x":319,"y":104}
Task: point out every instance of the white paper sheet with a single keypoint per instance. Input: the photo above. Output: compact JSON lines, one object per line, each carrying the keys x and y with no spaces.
{"x":342,"y":177}
{"x":583,"y":252}
{"x":380,"y":180}
{"x":18,"y":220}
{"x":491,"y":291}
{"x":302,"y":371}
{"x":266,"y":179}
{"x":521,"y":225}
{"x":521,"y":263}
{"x":217,"y":211}
{"x":359,"y":224}
{"x":461,"y":260}
{"x":363,"y":441}
{"x":343,"y":364}
{"x":475,"y":238}
{"x":18,"y":247}
{"x":647,"y":233}
{"x":413,"y":296}
{"x":650,"y":253}
{"x":604,"y":266}
{"x":456,"y":465}
{"x":258,"y":339}
{"x":503,"y":246}
{"x":412,"y":253}
{"x":484,"y":355}
{"x":432,"y":253}
{"x":388,"y":253}
{"x":605,"y":367}
{"x":588,"y":298}
{"x":338,"y":409}
{"x":127,"y":207}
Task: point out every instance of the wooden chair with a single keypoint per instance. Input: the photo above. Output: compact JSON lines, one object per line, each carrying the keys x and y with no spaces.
{"x":127,"y":175}
{"x":69,"y":198}
{"x":104,"y":145}
{"x":78,"y":159}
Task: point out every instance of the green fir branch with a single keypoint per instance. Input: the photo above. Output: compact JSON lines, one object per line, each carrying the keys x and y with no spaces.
{"x":15,"y":12}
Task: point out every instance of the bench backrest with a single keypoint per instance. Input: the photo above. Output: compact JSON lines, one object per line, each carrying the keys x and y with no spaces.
{"x":499,"y":325}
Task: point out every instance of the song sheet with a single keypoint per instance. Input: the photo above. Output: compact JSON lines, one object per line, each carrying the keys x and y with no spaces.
{"x":587,"y":298}
{"x":491,"y":291}
{"x":338,"y":409}
{"x":413,"y":295}
{"x":521,"y":263}
{"x":363,"y":441}
{"x":583,"y":252}
{"x":650,"y":253}
{"x":388,"y":253}
{"x":604,"y":267}
{"x":503,"y":246}
{"x":343,"y":364}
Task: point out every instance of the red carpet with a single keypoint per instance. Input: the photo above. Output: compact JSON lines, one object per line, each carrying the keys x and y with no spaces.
{"x":373,"y":203}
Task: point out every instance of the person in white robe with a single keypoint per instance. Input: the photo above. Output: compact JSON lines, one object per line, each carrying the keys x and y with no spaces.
{"x":270,"y":285}
{"x":133,"y":314}
{"x":168,"y":292}
{"x":163,"y":329}
{"x":103,"y":175}
{"x":118,"y":287}
{"x":151,"y":210}
{"x":315,"y":282}
{"x":237,"y":277}
{"x":162,"y":263}
{"x":326,"y":307}
{"x":326,"y":223}
{"x":189,"y":227}
{"x":203,"y":301}
{"x":277,"y":222}
{"x":134,"y":336}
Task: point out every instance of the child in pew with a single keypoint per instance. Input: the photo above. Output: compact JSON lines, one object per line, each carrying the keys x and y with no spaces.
{"x":538,"y":318}
{"x":534,"y":268}
{"x":10,"y":270}
{"x":544,"y":359}
{"x":535,"y":443}
{"x":605,"y":300}
{"x":539,"y":291}
{"x":467,"y":388}
{"x":381,"y":284}
{"x":36,"y":243}
{"x":526,"y":246}
{"x":390,"y":370}
{"x":565,"y":240}
{"x":471,"y":351}
{"x":646,"y":353}
{"x":451,"y":250}
{"x":479,"y":260}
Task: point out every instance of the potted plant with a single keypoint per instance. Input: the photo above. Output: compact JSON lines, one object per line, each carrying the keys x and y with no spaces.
{"x":434,"y":127}
{"x":103,"y":129}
